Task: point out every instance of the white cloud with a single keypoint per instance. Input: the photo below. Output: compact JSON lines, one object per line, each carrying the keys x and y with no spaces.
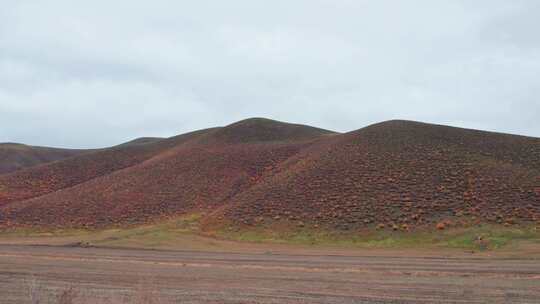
{"x":96,"y":73}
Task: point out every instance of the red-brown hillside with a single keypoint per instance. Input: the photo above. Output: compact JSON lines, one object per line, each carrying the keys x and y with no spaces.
{"x":403,"y":174}
{"x":198,"y":174}
{"x":264,"y":130}
{"x":14,"y":156}
{"x":397,"y":173}
{"x":51,"y":177}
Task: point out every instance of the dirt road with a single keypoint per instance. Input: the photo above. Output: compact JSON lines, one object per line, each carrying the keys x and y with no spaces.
{"x":211,"y":277}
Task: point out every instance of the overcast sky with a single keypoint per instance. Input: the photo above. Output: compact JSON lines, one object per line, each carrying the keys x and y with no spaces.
{"x":97,"y":73}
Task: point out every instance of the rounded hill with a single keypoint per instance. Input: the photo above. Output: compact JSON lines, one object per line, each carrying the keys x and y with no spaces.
{"x":15,"y":156}
{"x":265,"y":130}
{"x":399,"y":175}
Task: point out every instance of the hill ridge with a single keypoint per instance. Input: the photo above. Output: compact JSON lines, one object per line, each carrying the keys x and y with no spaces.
{"x":397,"y":173}
{"x":265,"y":130}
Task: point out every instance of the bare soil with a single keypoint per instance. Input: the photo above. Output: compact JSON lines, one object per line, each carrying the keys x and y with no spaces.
{"x":290,"y":276}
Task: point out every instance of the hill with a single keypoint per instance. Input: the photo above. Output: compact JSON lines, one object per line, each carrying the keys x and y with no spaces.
{"x":202,"y":171}
{"x":55,"y":176}
{"x":401,"y":174}
{"x":142,"y":141}
{"x":265,"y":130}
{"x":392,"y":175}
{"x":15,"y":156}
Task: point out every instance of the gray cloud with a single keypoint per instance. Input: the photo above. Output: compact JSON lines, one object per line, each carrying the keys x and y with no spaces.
{"x":97,"y":73}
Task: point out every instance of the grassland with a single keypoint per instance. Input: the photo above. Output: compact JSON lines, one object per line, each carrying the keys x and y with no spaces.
{"x":185,"y":233}
{"x":484,"y":237}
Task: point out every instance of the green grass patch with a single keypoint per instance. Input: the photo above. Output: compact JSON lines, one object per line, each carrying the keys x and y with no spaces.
{"x":146,"y":235}
{"x":185,"y":229}
{"x":153,"y":234}
{"x":42,"y":232}
{"x":485,"y":237}
{"x":493,"y":237}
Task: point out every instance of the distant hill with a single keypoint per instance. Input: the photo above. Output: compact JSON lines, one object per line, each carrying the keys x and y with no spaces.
{"x":142,"y":141}
{"x":391,"y":175}
{"x":15,"y":156}
{"x":37,"y":181}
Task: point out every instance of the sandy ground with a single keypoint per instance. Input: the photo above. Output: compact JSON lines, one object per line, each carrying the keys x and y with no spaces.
{"x":105,"y":274}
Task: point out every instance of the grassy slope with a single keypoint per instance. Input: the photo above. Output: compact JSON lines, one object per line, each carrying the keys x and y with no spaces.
{"x":464,"y":238}
{"x":185,"y":233}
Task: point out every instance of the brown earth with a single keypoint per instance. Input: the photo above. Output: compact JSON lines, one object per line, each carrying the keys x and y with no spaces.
{"x":394,"y":175}
{"x":101,"y":275}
